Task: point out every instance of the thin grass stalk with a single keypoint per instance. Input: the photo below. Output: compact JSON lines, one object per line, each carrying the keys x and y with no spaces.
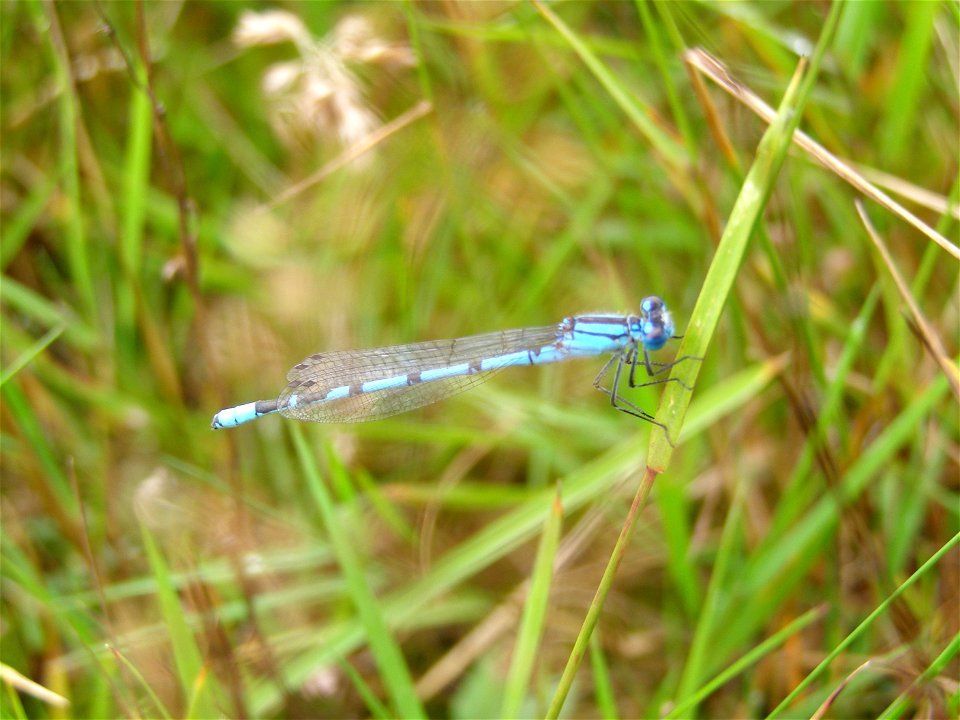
{"x":78,"y":249}
{"x":683,"y":709}
{"x":865,"y":624}
{"x":596,"y":607}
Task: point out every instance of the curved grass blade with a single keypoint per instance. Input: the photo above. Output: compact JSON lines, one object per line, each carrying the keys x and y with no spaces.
{"x":867,"y":622}
{"x":718,"y":283}
{"x":386,"y":651}
{"x":533,"y":621}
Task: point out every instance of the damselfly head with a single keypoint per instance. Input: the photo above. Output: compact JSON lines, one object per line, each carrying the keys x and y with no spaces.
{"x":656,"y":326}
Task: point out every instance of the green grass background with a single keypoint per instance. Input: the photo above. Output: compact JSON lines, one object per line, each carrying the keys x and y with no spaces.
{"x":799,"y":549}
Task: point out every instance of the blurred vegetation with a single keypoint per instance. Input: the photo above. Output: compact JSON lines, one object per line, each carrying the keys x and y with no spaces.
{"x":194,"y":198}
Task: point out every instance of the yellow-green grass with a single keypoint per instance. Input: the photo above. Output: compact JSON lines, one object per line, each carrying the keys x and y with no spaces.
{"x":790,"y":548}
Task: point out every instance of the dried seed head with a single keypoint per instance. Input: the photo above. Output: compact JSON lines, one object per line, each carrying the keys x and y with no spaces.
{"x":270,"y":27}
{"x":317,"y":95}
{"x":355,"y":41}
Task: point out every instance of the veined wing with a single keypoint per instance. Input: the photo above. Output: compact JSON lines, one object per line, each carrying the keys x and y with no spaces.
{"x":359,"y":385}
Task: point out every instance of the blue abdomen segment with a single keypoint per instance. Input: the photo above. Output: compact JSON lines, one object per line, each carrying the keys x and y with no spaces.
{"x":231,"y":417}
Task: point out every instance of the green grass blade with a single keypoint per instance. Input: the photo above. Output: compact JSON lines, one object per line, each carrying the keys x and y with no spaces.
{"x":386,"y":651}
{"x":602,"y":682}
{"x":77,"y":245}
{"x":11,"y":707}
{"x":14,"y":679}
{"x":683,"y":709}
{"x":900,"y":706}
{"x":533,"y":620}
{"x":17,"y":229}
{"x":664,"y":143}
{"x":894,"y":133}
{"x":659,"y":39}
{"x":603,"y":589}
{"x":195,"y":681}
{"x":142,"y":683}
{"x":136,"y":178}
{"x":710,"y":618}
{"x":28,"y":355}
{"x":866,"y":623}
{"x":723,"y":270}
{"x":45,"y":312}
{"x":377,"y":709}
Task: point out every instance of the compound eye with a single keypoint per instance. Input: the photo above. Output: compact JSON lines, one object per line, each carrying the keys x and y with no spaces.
{"x":650,"y":305}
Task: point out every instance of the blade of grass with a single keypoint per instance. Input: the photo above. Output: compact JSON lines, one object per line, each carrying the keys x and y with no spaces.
{"x":931,"y":255}
{"x":719,"y":74}
{"x":142,"y":684}
{"x":780,"y":563}
{"x":867,"y":622}
{"x":195,"y":683}
{"x":655,"y":32}
{"x":45,"y":312}
{"x":899,"y":707}
{"x":603,"y":589}
{"x":685,"y":572}
{"x":12,"y":708}
{"x":710,"y":616}
{"x":683,"y":709}
{"x":25,"y":685}
{"x":664,"y":144}
{"x":894,"y":133}
{"x":17,"y":228}
{"x":602,"y":682}
{"x":930,"y":338}
{"x":136,"y":177}
{"x":377,"y":709}
{"x":48,"y":26}
{"x":386,"y":651}
{"x":533,"y":620}
{"x":723,"y":270}
{"x":27,"y":356}
{"x":825,"y":706}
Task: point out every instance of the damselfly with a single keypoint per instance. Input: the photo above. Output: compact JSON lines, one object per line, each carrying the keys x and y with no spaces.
{"x":358,"y":385}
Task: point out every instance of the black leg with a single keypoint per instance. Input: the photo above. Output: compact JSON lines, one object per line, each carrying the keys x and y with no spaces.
{"x":625,"y":406}
{"x":649,"y":365}
{"x":605,"y":370}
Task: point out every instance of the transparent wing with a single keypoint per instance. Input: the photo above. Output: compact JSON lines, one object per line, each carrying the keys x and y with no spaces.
{"x":311,"y":380}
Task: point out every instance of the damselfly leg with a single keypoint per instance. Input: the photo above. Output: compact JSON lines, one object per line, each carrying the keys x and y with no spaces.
{"x":631,"y":357}
{"x":655,"y":368}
